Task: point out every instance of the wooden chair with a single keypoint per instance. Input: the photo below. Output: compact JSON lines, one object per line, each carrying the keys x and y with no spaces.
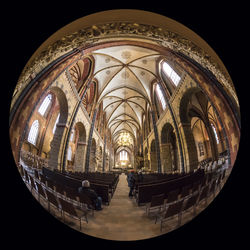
{"x":191,"y":202}
{"x":40,"y":191}
{"x":32,"y":184}
{"x":59,"y":190}
{"x":203,"y":194}
{"x":185,"y":191}
{"x":212,"y":188}
{"x":87,"y":203}
{"x":51,"y":199}
{"x":172,"y":196}
{"x":172,"y":210}
{"x":67,"y":207}
{"x":157,"y":202}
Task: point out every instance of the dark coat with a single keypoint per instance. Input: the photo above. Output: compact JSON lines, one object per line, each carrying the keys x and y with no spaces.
{"x":89,"y":192}
{"x":131,"y":180}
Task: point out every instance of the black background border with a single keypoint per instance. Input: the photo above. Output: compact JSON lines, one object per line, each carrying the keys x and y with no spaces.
{"x":27,"y":25}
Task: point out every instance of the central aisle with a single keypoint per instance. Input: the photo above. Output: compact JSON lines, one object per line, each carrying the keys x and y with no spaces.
{"x":122,"y":219}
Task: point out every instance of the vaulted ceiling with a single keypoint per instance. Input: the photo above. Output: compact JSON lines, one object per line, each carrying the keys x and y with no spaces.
{"x":125,"y":74}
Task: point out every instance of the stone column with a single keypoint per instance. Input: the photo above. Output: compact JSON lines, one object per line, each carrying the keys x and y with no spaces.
{"x":166,"y":157}
{"x":90,"y":141}
{"x":80,"y":156}
{"x":56,"y":145}
{"x":104,"y":154}
{"x":157,"y":144}
{"x":189,"y":146}
{"x":153,"y":162}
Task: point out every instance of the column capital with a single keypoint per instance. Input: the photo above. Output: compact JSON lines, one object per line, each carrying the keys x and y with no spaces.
{"x":82,"y":143}
{"x":61,"y":125}
{"x":184,"y":124}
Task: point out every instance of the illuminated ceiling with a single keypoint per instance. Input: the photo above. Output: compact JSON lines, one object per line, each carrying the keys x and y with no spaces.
{"x":125,"y":74}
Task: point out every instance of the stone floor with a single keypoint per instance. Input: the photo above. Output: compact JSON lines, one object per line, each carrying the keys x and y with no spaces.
{"x":124,"y":220}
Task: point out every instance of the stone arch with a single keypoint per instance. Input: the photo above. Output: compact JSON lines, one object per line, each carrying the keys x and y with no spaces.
{"x":153,"y":156}
{"x":92,"y":160}
{"x":186,"y":132}
{"x":80,"y":147}
{"x":57,"y":143}
{"x":169,"y":150}
{"x":194,"y":104}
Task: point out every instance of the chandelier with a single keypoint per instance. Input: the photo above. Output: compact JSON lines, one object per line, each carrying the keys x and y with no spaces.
{"x":125,"y":139}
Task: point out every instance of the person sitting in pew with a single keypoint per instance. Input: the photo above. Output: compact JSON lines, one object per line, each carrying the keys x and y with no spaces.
{"x":85,"y":189}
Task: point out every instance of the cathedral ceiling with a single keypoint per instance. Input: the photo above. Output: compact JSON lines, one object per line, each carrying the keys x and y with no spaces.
{"x":125,"y":74}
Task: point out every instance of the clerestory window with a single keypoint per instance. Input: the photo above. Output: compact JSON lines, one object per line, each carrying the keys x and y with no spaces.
{"x":161,"y":96}
{"x":168,"y":70}
{"x":33,"y":134}
{"x":45,"y":104}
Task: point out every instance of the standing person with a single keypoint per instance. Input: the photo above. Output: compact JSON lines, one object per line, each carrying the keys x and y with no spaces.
{"x":131,"y":183}
{"x":85,"y":189}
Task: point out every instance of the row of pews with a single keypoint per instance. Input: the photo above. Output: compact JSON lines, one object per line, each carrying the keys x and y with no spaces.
{"x":103,"y":183}
{"x":164,"y":185}
{"x":173,"y":195}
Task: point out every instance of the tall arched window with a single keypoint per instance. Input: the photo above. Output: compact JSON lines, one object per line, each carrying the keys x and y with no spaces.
{"x":33,"y":134}
{"x":215,"y":133}
{"x":161,"y":96}
{"x":69,"y":156}
{"x":175,"y":78}
{"x":46,"y":102}
{"x":123,"y":155}
{"x":57,"y":119}
{"x":72,"y":135}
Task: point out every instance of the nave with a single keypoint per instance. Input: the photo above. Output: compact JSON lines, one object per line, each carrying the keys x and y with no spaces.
{"x":123,"y":219}
{"x":108,"y":96}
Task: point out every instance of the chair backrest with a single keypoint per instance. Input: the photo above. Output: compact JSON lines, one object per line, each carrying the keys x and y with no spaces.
{"x":196,"y":186}
{"x":51,"y":197}
{"x":191,"y":201}
{"x":42,"y":178}
{"x":32,"y":183}
{"x":26,"y":175}
{"x":50,"y":184}
{"x":40,"y":189}
{"x":157,"y":200}
{"x":67,"y":207}
{"x":174,"y":208}
{"x":213,"y":185}
{"x":86,"y":200}
{"x":185,"y":190}
{"x":36,"y":174}
{"x":59,"y":188}
{"x":173,"y":195}
{"x":71,"y":193}
{"x":21,"y":170}
{"x":204,"y":192}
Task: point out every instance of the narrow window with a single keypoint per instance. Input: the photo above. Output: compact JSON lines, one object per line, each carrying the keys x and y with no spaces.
{"x":33,"y":134}
{"x":171,"y":73}
{"x":69,"y":156}
{"x":72,"y":135}
{"x":57,"y":119}
{"x":161,"y":96}
{"x":215,"y":134}
{"x":46,"y":102}
{"x":123,"y":155}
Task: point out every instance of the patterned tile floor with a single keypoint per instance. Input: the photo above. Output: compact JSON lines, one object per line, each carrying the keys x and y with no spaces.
{"x":124,"y":220}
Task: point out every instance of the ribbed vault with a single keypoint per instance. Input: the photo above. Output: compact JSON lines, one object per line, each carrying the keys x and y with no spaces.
{"x":125,"y":74}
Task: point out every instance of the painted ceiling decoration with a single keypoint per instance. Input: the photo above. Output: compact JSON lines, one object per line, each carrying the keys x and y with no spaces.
{"x":92,"y":35}
{"x":124,"y":74}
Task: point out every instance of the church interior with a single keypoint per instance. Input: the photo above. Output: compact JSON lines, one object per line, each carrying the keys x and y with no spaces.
{"x":121,"y":91}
